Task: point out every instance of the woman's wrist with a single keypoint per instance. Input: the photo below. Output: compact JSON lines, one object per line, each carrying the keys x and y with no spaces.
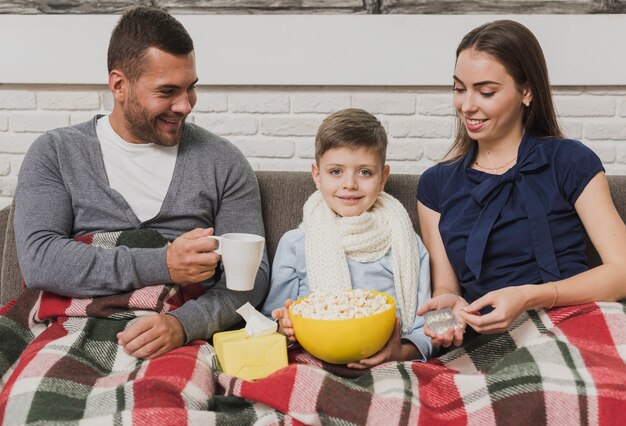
{"x":540,"y":295}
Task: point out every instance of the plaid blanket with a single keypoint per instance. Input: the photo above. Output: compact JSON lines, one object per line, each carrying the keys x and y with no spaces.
{"x":60,"y":361}
{"x":562,"y":366}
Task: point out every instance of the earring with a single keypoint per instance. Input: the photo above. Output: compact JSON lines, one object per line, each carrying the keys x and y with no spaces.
{"x":526,"y":103}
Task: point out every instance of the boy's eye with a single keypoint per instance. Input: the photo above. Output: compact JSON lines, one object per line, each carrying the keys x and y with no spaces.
{"x":365,"y":172}
{"x":334,"y":172}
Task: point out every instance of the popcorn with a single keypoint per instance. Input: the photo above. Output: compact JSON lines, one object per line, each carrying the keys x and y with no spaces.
{"x":339,"y":305}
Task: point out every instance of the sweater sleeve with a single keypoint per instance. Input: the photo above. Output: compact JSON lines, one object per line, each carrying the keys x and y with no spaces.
{"x":239,"y":211}
{"x":287,"y":282}
{"x":49,"y":257}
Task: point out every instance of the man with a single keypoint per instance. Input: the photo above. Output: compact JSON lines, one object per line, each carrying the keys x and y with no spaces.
{"x":140,"y":167}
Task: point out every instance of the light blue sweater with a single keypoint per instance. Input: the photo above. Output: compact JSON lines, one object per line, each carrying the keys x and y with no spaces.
{"x":289,"y":281}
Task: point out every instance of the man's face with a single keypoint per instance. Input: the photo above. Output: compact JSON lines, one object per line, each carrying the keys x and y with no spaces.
{"x":158,"y":102}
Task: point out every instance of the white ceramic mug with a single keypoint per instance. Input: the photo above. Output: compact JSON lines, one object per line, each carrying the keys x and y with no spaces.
{"x":241,"y":257}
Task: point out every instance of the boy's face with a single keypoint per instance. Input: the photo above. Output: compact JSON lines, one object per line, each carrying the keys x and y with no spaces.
{"x":350,"y":179}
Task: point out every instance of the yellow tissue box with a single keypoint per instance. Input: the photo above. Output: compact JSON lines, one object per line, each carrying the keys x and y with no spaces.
{"x":250,"y":358}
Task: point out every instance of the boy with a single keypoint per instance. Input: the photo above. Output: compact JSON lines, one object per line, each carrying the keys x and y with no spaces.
{"x":351,"y":228}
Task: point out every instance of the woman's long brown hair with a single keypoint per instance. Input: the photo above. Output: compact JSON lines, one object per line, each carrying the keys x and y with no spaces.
{"x":517,"y":49}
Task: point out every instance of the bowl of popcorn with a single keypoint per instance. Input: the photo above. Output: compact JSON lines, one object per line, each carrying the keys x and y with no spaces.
{"x":343,"y":326}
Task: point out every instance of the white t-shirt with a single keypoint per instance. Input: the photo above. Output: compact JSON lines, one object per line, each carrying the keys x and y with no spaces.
{"x":141,"y":173}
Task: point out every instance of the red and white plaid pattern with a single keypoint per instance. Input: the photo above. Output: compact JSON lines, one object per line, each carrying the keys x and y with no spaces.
{"x":559,"y":367}
{"x":60,"y":362}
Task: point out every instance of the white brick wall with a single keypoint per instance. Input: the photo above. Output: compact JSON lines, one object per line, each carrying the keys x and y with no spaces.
{"x":275,"y":126}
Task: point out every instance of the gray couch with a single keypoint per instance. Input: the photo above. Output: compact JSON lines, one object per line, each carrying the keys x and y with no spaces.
{"x":282,"y":194}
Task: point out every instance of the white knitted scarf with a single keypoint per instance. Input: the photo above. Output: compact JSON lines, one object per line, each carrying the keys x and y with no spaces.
{"x":331,"y":239}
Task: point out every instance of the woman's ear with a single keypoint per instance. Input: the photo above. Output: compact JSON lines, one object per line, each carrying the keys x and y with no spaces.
{"x":527,"y":96}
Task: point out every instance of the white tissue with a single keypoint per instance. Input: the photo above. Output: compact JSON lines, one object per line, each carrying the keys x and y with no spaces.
{"x":256,"y":323}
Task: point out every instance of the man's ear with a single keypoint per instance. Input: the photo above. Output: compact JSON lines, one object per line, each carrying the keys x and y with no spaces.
{"x":118,"y":83}
{"x":315,"y":172}
{"x":383,"y":181}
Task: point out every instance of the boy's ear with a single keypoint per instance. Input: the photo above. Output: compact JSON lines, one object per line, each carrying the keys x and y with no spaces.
{"x":383,"y":181}
{"x":315,"y":172}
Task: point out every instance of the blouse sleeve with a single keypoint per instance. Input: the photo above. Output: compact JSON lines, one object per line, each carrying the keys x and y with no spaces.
{"x":576,"y":164}
{"x":428,"y":189}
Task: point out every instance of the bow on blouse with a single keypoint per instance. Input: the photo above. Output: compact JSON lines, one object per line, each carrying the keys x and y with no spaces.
{"x":492,"y":194}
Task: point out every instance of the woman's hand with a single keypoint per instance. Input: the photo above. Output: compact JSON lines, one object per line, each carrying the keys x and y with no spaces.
{"x":285,"y":326}
{"x":453,"y":336}
{"x":508,"y":303}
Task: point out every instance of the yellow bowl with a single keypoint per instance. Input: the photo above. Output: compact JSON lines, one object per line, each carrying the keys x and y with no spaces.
{"x":346,"y":340}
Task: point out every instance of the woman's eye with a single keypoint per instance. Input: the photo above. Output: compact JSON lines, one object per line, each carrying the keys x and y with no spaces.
{"x":458,"y":90}
{"x":487,"y":94}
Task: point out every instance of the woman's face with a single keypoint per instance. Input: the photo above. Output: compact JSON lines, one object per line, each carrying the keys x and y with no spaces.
{"x":487,"y":99}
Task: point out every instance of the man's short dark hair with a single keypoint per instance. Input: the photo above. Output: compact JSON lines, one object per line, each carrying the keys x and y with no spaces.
{"x":140,"y":28}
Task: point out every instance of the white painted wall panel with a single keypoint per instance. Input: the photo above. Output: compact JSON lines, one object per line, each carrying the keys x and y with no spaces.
{"x":356,"y":50}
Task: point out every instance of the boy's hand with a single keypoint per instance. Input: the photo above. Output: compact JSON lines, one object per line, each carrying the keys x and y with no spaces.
{"x":284,"y":322}
{"x":394,"y":350}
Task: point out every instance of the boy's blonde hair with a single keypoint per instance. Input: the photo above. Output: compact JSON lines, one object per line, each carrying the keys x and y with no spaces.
{"x":351,"y":128}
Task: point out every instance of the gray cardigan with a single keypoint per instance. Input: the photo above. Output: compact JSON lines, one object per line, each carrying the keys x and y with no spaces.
{"x":63,"y":192}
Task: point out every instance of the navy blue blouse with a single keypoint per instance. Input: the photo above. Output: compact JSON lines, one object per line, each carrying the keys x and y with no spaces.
{"x":517,"y":228}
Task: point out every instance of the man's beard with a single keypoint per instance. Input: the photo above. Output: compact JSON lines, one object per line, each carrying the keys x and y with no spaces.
{"x":144,"y":128}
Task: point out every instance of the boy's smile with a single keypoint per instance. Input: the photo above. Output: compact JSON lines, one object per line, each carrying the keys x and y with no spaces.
{"x":350,"y":179}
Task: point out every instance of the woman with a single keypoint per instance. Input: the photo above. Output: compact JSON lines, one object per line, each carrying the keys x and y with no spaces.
{"x":504,"y":216}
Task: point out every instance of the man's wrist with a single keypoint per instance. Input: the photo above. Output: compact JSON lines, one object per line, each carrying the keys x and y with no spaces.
{"x":179,"y":330}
